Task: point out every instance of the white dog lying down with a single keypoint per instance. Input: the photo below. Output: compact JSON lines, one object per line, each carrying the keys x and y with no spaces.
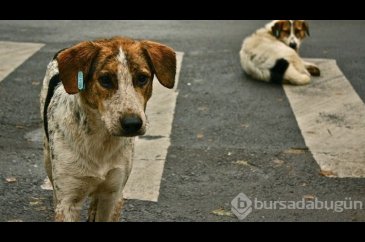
{"x":271,"y":53}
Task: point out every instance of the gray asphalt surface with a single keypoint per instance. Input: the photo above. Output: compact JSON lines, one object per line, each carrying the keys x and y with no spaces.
{"x":236,"y":119}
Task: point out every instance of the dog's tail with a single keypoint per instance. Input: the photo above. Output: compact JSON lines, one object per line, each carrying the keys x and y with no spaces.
{"x":260,"y":68}
{"x":277,"y":72}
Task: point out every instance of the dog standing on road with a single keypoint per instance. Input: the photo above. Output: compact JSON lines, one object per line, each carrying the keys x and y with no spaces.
{"x":271,"y":53}
{"x":93,"y":103}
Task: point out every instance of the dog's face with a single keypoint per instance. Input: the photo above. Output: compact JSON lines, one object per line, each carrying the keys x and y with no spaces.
{"x":290,"y":32}
{"x":118,"y":76}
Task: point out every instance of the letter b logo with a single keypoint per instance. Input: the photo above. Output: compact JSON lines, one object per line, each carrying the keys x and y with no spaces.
{"x":241,"y":206}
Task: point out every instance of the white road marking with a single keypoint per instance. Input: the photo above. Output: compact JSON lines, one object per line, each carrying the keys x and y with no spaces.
{"x":13,"y":54}
{"x":47,"y":185}
{"x":331,"y":117}
{"x":151,"y":149}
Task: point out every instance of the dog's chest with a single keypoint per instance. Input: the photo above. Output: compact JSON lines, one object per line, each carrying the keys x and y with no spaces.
{"x":83,"y":147}
{"x":92,"y":157}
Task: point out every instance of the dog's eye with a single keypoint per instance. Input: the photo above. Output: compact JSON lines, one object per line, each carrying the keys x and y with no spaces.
{"x":106,"y":82}
{"x":142,"y":80}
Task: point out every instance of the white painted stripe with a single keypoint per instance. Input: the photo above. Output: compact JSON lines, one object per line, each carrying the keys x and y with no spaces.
{"x":13,"y":54}
{"x":331,"y":117}
{"x":150,"y":154}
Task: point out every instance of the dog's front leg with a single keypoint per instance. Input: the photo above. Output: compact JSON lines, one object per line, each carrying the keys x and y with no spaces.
{"x":67,"y":211}
{"x":107,"y":202}
{"x":104,"y":208}
{"x":109,"y":195}
{"x":70,"y":193}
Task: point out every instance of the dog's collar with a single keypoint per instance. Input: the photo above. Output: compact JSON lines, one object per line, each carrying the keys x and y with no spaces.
{"x":80,"y":81}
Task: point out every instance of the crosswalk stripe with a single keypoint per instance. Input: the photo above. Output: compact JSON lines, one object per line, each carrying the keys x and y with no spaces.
{"x":13,"y":54}
{"x":151,"y":149}
{"x":331,"y":117}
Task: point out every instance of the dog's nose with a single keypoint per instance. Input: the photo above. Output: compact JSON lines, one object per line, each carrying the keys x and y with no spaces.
{"x":293,"y":45}
{"x":131,"y":124}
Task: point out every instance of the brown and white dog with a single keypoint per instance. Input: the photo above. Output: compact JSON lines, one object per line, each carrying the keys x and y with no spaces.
{"x":271,"y":53}
{"x":93,"y":103}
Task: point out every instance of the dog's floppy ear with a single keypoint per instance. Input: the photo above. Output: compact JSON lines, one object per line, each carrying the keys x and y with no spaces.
{"x":73,"y":60}
{"x":302,"y":26}
{"x":306,"y":27}
{"x":277,"y":28}
{"x":163,"y":60}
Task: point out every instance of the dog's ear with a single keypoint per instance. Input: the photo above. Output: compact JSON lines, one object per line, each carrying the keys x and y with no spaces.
{"x":73,"y":60}
{"x":302,"y":27}
{"x":277,"y":28}
{"x":163,"y":60}
{"x":306,"y":27}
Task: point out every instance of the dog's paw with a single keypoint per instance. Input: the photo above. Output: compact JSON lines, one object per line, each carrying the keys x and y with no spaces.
{"x":313,"y":70}
{"x":300,"y":80}
{"x":304,"y":80}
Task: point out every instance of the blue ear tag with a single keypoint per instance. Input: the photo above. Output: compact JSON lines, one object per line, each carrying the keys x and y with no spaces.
{"x":80,"y":81}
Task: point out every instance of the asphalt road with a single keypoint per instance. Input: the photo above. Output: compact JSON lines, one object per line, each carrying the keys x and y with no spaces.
{"x":229,"y":135}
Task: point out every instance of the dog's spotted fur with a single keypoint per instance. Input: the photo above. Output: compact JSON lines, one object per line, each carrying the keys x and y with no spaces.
{"x":271,"y":53}
{"x":88,"y":143}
